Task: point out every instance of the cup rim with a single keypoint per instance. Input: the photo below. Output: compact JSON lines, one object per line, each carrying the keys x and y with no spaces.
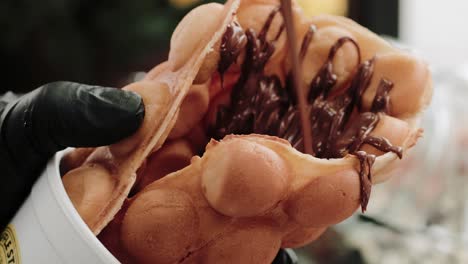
{"x":77,"y":223}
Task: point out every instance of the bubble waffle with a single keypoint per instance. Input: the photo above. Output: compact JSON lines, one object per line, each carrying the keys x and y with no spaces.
{"x":248,"y":195}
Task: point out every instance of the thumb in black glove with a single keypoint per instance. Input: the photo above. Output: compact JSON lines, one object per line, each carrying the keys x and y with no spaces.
{"x":51,"y":118}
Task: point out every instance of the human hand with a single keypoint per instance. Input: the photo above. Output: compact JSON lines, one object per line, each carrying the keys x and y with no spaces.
{"x":51,"y":118}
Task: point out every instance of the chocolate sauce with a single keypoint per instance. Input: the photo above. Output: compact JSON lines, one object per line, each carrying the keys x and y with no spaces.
{"x":366,"y":161}
{"x":280,"y":32}
{"x":307,"y":40}
{"x":382,"y":99}
{"x":266,"y":27}
{"x":261,"y":104}
{"x":233,"y":42}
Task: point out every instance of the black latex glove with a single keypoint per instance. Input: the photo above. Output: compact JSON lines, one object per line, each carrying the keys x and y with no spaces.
{"x":51,"y":118}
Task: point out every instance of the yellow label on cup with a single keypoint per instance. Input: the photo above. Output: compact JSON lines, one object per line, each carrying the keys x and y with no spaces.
{"x":9,"y":247}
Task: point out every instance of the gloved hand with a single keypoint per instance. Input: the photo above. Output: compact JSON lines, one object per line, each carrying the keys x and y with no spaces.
{"x":51,"y":118}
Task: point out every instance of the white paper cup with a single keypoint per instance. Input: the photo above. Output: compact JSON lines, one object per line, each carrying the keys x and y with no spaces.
{"x":47,"y":229}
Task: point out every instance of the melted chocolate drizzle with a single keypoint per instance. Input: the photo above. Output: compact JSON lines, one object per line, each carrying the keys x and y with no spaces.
{"x":260,"y":104}
{"x":232,"y":44}
{"x":307,"y":40}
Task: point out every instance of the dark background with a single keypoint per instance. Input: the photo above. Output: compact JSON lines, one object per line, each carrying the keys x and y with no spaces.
{"x":103,"y":41}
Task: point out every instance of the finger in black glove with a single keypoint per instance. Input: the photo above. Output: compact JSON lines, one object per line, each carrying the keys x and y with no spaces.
{"x":51,"y":118}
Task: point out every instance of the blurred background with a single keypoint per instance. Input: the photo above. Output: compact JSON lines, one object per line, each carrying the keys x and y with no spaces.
{"x":419,"y":216}
{"x":103,"y":41}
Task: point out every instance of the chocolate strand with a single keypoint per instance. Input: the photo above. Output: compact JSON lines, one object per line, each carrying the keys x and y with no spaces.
{"x":366,"y":162}
{"x":325,"y":79}
{"x":266,"y":27}
{"x":307,"y":40}
{"x":361,"y":81}
{"x":368,"y":121}
{"x":384,"y":145}
{"x":232,"y":44}
{"x":339,"y":44}
{"x":382,"y":98}
{"x":280,"y":32}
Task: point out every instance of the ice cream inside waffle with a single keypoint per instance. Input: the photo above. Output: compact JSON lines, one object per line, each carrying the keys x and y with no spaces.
{"x":232,"y":183}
